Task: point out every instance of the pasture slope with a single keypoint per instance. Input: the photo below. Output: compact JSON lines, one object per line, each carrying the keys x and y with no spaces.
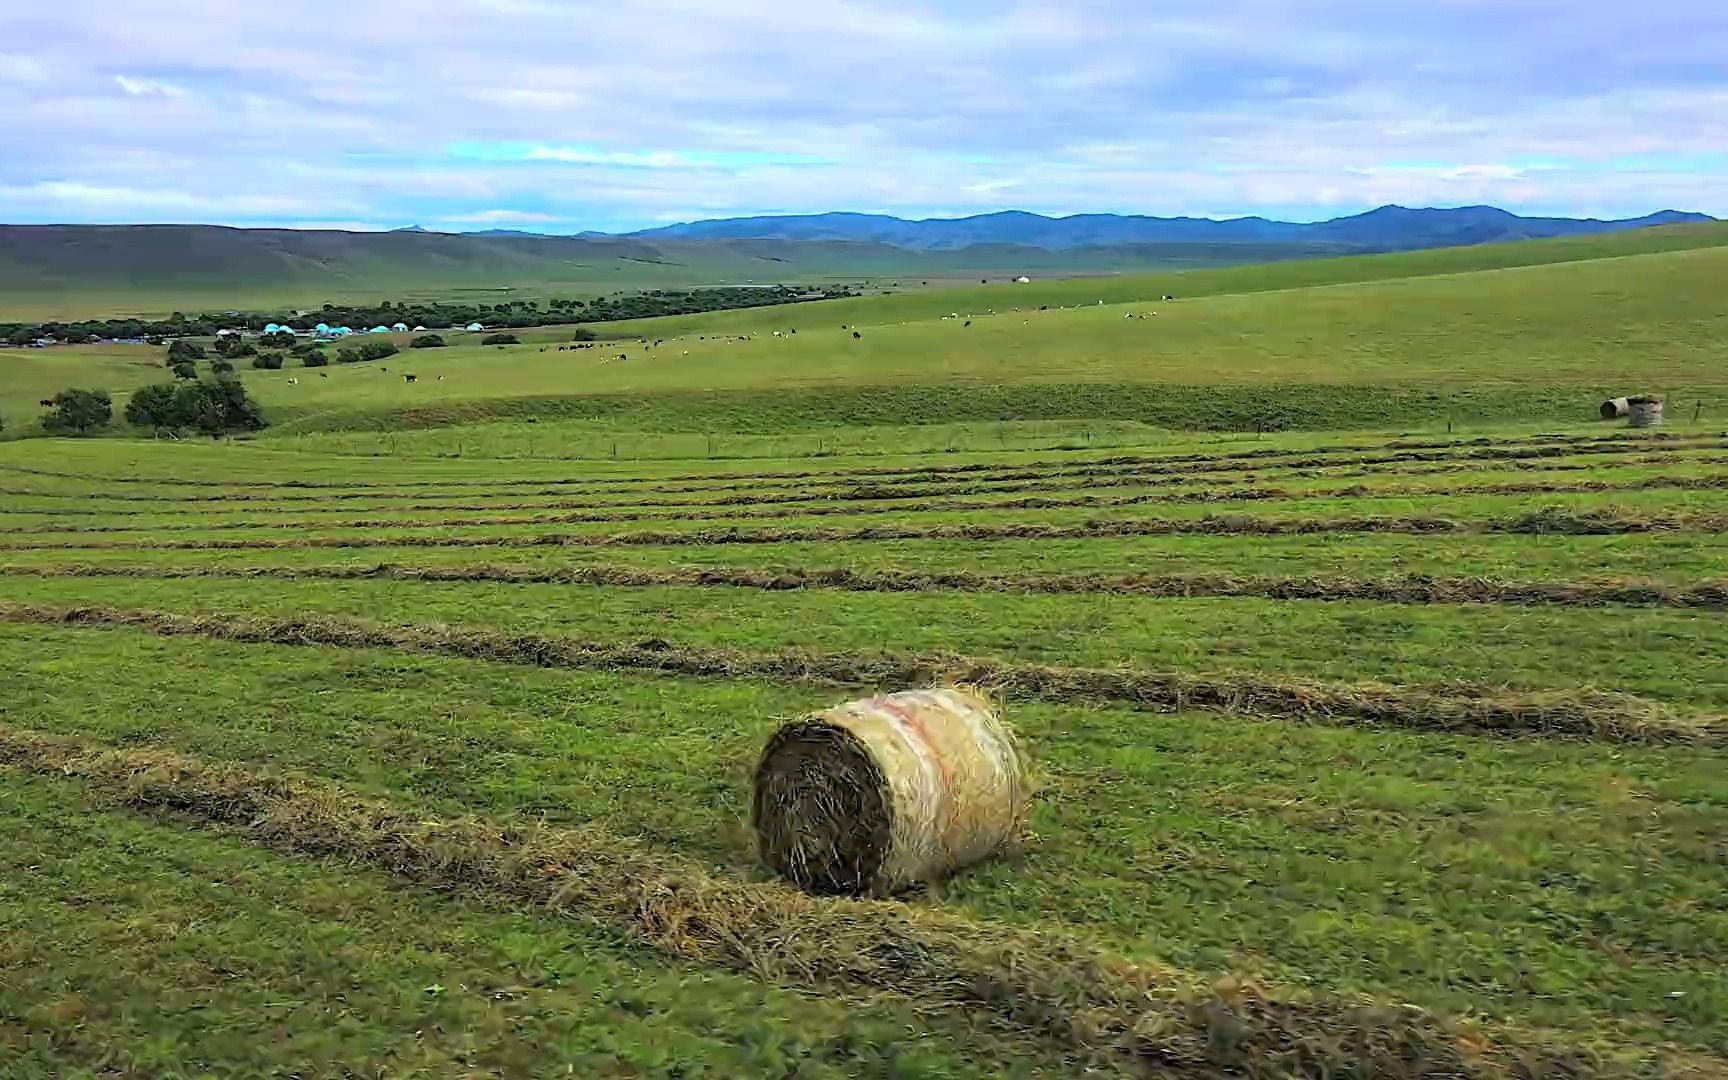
{"x":1356,"y":755}
{"x":1509,"y":333}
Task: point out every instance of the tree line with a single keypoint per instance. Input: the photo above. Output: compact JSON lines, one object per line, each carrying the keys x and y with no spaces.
{"x":434,"y":315}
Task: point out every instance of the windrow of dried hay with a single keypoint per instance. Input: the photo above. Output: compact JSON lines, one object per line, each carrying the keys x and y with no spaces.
{"x":1543,"y":445}
{"x":1105,"y":1011}
{"x":762,"y":508}
{"x":1547,"y":521}
{"x":1407,"y":589}
{"x":879,"y":795}
{"x":1453,"y":707}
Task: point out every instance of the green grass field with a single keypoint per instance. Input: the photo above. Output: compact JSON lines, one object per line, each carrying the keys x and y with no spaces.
{"x":1520,"y":836}
{"x":415,"y":737}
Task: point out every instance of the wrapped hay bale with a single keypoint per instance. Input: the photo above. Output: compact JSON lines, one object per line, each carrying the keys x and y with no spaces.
{"x":879,"y":795}
{"x":1614,"y":408}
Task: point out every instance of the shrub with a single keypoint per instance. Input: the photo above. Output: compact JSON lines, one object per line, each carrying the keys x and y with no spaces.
{"x":315,"y":358}
{"x":278,"y":340}
{"x":371,"y":350}
{"x":79,"y":412}
{"x":500,"y":339}
{"x":270,"y":361}
{"x":584,"y":334}
{"x":427,"y":341}
{"x":184,"y":370}
{"x":155,"y":406}
{"x":221,"y":367}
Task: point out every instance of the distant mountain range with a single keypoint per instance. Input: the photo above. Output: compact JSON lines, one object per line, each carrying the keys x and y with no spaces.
{"x":1389,"y":228}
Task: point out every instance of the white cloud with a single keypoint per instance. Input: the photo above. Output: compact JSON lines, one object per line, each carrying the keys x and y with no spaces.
{"x":136,"y":87}
{"x":1284,"y":107}
{"x":503,"y":217}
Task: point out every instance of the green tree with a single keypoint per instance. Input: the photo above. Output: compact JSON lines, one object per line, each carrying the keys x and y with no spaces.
{"x":217,"y":407}
{"x":221,"y":366}
{"x":184,"y":370}
{"x":427,"y":341}
{"x":156,"y":406}
{"x":186,"y":351}
{"x":79,"y":412}
{"x":500,"y":339}
{"x":269,"y":361}
{"x":315,"y":358}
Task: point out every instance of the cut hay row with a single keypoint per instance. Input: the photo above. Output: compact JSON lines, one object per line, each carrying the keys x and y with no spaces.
{"x":1413,"y":589}
{"x":313,"y":504}
{"x":1090,"y":477}
{"x":1557,"y":522}
{"x":881,"y":471}
{"x":1714,"y":482}
{"x":1105,"y":1010}
{"x":1458,"y":708}
{"x":1485,"y":449}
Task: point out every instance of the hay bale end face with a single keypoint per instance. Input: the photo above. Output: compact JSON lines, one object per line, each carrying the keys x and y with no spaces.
{"x":876,"y":796}
{"x":1614,"y":408}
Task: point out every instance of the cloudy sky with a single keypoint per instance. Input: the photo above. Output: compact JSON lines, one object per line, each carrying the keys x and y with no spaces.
{"x":558,"y":116}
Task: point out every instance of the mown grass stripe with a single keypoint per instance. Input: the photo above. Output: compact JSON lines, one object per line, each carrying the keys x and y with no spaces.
{"x":1556,"y":522}
{"x":750,"y":494}
{"x":1141,"y":1016}
{"x":1251,"y":460}
{"x":1709,"y":596}
{"x":929,"y":506}
{"x":312,"y":504}
{"x":1457,"y":707}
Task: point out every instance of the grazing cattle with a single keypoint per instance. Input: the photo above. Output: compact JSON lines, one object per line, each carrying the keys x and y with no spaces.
{"x":440,"y":378}
{"x":322,"y":375}
{"x":856,"y":335}
{"x":46,"y":403}
{"x":410,"y":378}
{"x":968,"y":322}
{"x":293,"y":382}
{"x":623,"y":356}
{"x":1167,"y":296}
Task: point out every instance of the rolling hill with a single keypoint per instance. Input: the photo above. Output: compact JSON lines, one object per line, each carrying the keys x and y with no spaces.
{"x":82,"y":271}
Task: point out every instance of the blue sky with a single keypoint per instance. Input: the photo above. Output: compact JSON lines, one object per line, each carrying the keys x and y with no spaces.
{"x":560,"y":116}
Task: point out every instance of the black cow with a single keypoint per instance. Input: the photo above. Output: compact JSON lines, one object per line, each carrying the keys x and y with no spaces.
{"x":856,"y":336}
{"x":410,"y":378}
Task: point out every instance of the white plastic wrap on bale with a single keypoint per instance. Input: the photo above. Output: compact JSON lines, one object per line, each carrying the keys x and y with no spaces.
{"x":948,"y":791}
{"x":1614,"y":408}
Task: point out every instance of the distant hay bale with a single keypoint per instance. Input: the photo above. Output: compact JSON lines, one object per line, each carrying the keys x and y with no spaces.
{"x":875,"y":796}
{"x":1614,"y":408}
{"x":1646,"y":412}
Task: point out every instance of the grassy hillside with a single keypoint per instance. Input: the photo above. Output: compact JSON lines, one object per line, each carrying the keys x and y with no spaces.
{"x":1517,"y":332}
{"x":88,"y":271}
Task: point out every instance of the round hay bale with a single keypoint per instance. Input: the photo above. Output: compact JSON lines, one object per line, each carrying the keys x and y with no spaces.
{"x":1646,"y":412}
{"x":1614,"y":408}
{"x":875,"y":796}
